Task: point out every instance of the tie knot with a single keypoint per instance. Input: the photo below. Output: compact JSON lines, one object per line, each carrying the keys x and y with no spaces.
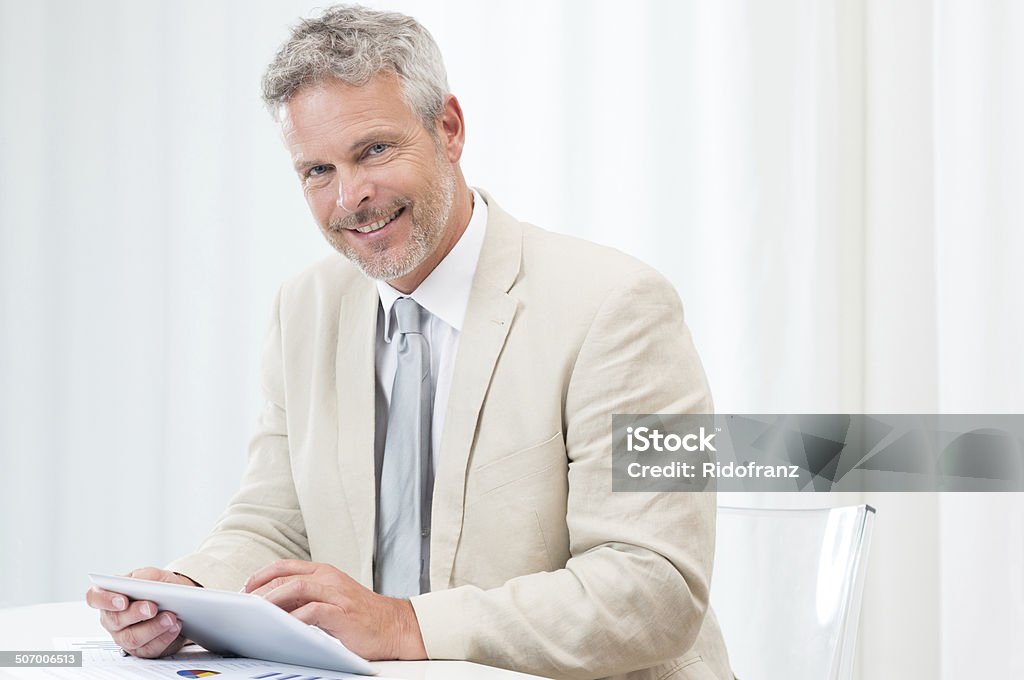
{"x":408,"y":316}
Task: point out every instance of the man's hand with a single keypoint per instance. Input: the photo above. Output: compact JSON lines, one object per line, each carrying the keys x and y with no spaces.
{"x":373,"y":626}
{"x":138,"y":627}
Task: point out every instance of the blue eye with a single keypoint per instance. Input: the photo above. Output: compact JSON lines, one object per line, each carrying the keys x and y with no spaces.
{"x":317,"y":170}
{"x":377,"y":149}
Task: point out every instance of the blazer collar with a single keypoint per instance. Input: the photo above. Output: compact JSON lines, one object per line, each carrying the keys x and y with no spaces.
{"x":356,"y":389}
{"x":488,"y":320}
{"x":501,"y":256}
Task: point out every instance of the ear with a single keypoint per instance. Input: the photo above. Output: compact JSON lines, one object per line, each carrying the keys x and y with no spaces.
{"x":451,"y":129}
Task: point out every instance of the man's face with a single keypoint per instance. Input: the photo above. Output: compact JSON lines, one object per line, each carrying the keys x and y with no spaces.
{"x":380,"y":186}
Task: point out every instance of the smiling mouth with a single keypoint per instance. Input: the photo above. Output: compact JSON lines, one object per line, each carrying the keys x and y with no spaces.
{"x":380,"y":224}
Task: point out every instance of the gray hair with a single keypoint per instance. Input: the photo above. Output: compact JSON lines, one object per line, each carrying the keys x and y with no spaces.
{"x":354,"y":44}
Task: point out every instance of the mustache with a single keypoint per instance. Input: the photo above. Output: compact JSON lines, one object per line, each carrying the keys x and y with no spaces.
{"x":369,"y":216}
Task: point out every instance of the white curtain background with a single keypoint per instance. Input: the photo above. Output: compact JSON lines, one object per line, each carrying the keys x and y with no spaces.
{"x":836,"y":187}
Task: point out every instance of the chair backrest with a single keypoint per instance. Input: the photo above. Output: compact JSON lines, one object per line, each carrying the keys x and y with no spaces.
{"x":787,"y":589}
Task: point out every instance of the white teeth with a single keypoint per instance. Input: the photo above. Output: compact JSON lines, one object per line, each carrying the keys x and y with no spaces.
{"x":377,"y":225}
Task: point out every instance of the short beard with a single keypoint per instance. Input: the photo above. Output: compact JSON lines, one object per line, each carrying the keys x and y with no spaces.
{"x":429,"y":219}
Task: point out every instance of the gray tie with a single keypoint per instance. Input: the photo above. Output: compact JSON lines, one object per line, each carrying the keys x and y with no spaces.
{"x":406,"y":475}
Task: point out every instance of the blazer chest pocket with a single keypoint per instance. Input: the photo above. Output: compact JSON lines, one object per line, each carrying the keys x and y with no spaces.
{"x":515,"y":466}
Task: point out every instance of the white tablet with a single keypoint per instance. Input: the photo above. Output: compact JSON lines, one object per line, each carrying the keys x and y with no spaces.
{"x":241,"y":624}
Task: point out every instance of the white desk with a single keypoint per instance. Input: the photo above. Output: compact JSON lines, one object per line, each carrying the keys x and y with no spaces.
{"x":33,"y":628}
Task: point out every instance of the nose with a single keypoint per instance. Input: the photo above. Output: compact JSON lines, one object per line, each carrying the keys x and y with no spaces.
{"x":354,"y":189}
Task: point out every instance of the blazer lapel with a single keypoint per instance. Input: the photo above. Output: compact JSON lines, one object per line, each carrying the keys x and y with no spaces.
{"x":488,"y":319}
{"x":355,"y":377}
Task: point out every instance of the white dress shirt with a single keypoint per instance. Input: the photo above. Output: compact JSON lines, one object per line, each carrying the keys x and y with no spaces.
{"x":444,"y":294}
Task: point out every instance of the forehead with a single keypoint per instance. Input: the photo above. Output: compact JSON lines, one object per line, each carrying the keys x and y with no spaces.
{"x":333,"y":112}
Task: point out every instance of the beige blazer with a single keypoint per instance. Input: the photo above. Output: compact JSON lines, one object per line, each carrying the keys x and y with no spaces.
{"x":535,"y":564}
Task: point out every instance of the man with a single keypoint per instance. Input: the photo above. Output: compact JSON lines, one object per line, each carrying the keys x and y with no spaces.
{"x":439,"y":402}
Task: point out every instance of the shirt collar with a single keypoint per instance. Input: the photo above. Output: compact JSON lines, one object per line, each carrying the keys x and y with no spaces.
{"x":445,"y":291}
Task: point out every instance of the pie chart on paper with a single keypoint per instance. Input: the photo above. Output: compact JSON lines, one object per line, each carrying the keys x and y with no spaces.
{"x":197,"y":674}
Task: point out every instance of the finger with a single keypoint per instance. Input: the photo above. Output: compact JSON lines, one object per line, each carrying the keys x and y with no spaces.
{"x":298,"y":592}
{"x":154,"y":574}
{"x":320,"y":614}
{"x":272,"y":585}
{"x":97,"y":598}
{"x":141,"y":634}
{"x":278,"y":569}
{"x":167,"y":642}
{"x":137,"y":612}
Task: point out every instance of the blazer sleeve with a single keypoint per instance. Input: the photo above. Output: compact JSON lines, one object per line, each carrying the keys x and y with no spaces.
{"x":635,"y":589}
{"x":263,"y":521}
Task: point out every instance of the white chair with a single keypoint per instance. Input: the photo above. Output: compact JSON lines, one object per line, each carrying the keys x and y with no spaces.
{"x":787,"y":589}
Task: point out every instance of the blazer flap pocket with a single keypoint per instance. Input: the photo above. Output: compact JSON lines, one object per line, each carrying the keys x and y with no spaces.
{"x":516,"y":465}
